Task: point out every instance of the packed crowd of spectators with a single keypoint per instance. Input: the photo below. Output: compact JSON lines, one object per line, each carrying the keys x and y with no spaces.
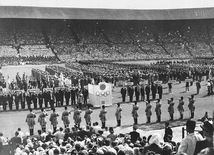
{"x":108,"y":40}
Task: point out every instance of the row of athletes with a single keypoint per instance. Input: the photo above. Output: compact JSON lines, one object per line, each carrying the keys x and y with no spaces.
{"x":102,"y":115}
{"x":142,"y":91}
{"x":43,"y":98}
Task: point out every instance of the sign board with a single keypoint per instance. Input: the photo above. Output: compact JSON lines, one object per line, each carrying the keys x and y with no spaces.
{"x":143,"y":82}
{"x":171,"y":81}
{"x":48,"y":89}
{"x":157,"y":82}
{"x":130,"y":83}
{"x":33,"y":90}
{"x":188,"y":80}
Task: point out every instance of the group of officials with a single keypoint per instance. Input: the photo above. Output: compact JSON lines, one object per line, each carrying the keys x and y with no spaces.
{"x":44,"y":99}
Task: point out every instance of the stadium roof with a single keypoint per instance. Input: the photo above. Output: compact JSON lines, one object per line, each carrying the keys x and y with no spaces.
{"x":108,"y":9}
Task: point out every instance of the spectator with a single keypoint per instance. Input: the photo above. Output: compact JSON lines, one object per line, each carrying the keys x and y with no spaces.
{"x":134,"y":135}
{"x":188,"y":144}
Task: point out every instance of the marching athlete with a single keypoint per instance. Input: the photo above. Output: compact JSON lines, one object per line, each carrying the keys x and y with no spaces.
{"x":158,"y":110}
{"x":64,"y":118}
{"x":87,"y":116}
{"x":102,"y":116}
{"x":181,"y":107}
{"x":118,"y":114}
{"x":42,"y":119}
{"x":53,"y":119}
{"x":31,"y":121}
{"x":77,"y":116}
{"x":134,"y":113}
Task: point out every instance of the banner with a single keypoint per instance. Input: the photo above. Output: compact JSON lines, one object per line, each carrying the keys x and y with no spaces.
{"x":100,"y":94}
{"x":188,"y":80}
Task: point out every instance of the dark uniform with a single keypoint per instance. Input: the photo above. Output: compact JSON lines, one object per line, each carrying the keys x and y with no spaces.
{"x":61,"y":95}
{"x":28,"y":99}
{"x":142,"y":92}
{"x":40,"y":96}
{"x":22,"y":98}
{"x":137,"y":93}
{"x":147,"y":92}
{"x":67,"y":96}
{"x":123,"y":93}
{"x":160,"y":91}
{"x":131,"y":93}
{"x":17,"y":100}
{"x":73,"y":96}
{"x":85,"y":95}
{"x":10,"y":100}
{"x":34,"y":100}
{"x":154,"y":91}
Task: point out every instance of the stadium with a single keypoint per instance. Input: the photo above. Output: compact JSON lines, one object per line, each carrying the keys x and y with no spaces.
{"x":99,"y":68}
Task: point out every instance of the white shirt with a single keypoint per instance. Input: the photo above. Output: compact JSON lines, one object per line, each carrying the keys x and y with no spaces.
{"x":188,"y":144}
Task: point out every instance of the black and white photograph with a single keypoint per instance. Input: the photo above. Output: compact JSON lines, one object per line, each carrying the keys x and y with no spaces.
{"x":106,"y":77}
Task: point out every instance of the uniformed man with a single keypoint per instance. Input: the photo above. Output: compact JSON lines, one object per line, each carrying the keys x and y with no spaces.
{"x":137,"y":92}
{"x":87,"y":116}
{"x":31,"y":121}
{"x":158,"y":110}
{"x":123,"y":93}
{"x":65,"y":119}
{"x":142,"y":93}
{"x":102,"y":116}
{"x":57,"y":97}
{"x":73,"y":96}
{"x":118,"y":114}
{"x":61,"y":95}
{"x":17,"y":100}
{"x":154,"y":91}
{"x":85,"y":95}
{"x":46,"y":98}
{"x":10,"y":100}
{"x":4,"y":101}
{"x":160,"y":91}
{"x":135,"y":113}
{"x":147,"y":89}
{"x":42,"y":119}
{"x":191,"y":106}
{"x":53,"y":119}
{"x":67,"y":96}
{"x":34,"y":99}
{"x":198,"y":86}
{"x":22,"y":98}
{"x":40,"y":96}
{"x":170,"y":86}
{"x":28,"y":99}
{"x":77,"y":116}
{"x":171,"y":108}
{"x":181,"y":107}
{"x":148,"y":111}
{"x":131,"y":93}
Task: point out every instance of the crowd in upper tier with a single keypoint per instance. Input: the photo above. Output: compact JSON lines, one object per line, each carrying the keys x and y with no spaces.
{"x":107,"y":40}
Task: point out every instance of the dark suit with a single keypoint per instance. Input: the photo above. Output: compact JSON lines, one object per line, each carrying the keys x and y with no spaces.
{"x":137,"y":93}
{"x":123,"y":93}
